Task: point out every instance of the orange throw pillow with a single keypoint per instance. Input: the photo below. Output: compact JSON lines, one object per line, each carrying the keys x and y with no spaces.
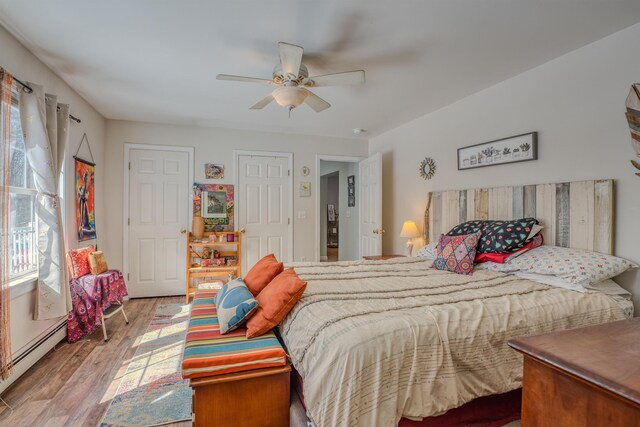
{"x":262,"y":273}
{"x":78,"y":261}
{"x":275,"y":301}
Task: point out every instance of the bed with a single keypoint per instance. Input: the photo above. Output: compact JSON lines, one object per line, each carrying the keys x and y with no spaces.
{"x":375,"y":342}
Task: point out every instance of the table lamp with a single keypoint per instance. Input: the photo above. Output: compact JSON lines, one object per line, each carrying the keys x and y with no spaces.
{"x":409,"y":230}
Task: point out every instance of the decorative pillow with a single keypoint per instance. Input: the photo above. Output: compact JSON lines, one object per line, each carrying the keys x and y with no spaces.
{"x":502,"y":258}
{"x":576,"y":266}
{"x":78,"y":261}
{"x":498,"y":236}
{"x":276,"y":301}
{"x":428,"y":251}
{"x":456,"y":253}
{"x":234,"y":305}
{"x":97,"y":263}
{"x":262,"y":273}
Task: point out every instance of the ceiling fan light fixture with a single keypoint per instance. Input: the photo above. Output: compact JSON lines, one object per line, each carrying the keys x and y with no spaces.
{"x":290,"y":97}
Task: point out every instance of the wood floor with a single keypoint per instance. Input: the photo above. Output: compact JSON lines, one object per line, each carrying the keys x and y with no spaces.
{"x":73,"y":385}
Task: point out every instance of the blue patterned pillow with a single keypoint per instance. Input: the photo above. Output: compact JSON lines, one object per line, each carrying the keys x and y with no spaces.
{"x":234,"y":305}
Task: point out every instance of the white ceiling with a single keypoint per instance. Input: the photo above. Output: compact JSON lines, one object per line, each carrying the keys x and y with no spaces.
{"x":156,"y":60}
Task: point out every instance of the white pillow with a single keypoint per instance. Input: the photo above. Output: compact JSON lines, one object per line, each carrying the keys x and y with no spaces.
{"x":607,"y":287}
{"x":575,"y":266}
{"x":428,"y":251}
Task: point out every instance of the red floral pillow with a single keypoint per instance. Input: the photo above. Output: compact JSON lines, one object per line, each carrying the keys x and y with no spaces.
{"x":78,"y":261}
{"x":456,"y":253}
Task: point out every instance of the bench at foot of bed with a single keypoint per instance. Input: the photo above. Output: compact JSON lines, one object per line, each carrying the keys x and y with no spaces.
{"x":236,"y":381}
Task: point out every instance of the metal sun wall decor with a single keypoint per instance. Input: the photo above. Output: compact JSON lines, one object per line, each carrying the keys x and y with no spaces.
{"x":633,"y":118}
{"x":427,"y":168}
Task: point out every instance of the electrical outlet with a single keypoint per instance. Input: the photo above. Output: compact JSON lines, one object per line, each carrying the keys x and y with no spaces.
{"x":304,"y":258}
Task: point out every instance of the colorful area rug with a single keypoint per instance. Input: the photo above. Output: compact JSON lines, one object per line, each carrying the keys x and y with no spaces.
{"x":152,"y":392}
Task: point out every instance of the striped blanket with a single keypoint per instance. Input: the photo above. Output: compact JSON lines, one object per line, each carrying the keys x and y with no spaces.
{"x":208,"y":353}
{"x":375,"y":341}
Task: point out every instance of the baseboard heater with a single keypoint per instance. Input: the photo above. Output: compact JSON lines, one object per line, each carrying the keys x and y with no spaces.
{"x":36,"y":351}
{"x":38,"y":343}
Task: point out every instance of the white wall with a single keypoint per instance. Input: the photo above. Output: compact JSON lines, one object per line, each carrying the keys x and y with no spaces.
{"x":19,"y":61}
{"x":217,"y":145}
{"x":348,"y":216}
{"x":575,"y":102}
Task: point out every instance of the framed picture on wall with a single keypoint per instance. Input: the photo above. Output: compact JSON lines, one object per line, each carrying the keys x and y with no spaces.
{"x":519,"y":148}
{"x":214,"y":202}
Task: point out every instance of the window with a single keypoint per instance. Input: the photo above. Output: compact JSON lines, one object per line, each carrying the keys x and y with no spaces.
{"x":23,"y":252}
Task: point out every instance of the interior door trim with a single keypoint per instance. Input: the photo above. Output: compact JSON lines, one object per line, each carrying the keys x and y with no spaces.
{"x":236,"y":181}
{"x":128,"y":146}
{"x":316,"y":204}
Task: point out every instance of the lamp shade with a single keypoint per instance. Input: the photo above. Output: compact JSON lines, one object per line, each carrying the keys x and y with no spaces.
{"x":409,"y":229}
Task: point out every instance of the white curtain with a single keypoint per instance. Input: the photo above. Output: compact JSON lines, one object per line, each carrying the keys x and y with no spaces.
{"x":46,"y":130}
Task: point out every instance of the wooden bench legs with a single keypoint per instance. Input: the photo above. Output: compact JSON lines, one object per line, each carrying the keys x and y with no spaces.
{"x":257,"y":398}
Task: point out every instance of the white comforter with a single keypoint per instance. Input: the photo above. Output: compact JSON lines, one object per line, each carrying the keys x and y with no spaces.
{"x":375,"y":341}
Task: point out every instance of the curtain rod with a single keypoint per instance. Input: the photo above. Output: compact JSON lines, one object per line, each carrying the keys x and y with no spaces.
{"x":28,"y":89}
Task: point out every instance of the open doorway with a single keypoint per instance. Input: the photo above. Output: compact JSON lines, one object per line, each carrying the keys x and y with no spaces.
{"x":339,"y":213}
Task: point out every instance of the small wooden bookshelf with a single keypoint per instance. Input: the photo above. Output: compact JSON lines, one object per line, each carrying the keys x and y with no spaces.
{"x":227,"y":251}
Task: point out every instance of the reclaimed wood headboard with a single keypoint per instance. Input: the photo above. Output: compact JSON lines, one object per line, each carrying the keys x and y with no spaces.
{"x":574,"y":214}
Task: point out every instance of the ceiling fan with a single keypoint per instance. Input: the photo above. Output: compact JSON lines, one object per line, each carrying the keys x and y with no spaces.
{"x":292,"y":78}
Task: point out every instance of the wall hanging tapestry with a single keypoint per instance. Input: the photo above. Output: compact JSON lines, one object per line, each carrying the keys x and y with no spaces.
{"x":214,"y":202}
{"x":519,"y":148}
{"x":633,"y":118}
{"x":85,"y":186}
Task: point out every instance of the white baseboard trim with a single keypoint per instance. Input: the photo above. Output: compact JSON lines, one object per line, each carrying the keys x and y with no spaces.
{"x":29,"y":357}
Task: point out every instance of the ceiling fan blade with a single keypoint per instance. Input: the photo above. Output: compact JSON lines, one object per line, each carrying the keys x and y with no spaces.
{"x":290,"y":58}
{"x":243,"y":79}
{"x":262,"y":103}
{"x":314,"y":101}
{"x":338,"y":79}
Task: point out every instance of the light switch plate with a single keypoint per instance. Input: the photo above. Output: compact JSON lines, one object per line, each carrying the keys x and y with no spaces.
{"x":302,"y":214}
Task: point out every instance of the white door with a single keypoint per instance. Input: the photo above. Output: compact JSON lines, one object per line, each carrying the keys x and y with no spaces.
{"x":263,"y":207}
{"x":159,"y":202}
{"x":371,"y":205}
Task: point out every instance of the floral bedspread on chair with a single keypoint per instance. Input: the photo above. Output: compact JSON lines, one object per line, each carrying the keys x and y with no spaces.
{"x":90,"y":296}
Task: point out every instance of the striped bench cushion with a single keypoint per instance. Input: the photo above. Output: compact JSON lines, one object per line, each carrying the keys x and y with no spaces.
{"x":208,"y":353}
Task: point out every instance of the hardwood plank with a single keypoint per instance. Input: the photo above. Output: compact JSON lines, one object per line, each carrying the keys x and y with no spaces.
{"x":74,"y":385}
{"x":603,"y":217}
{"x":517,"y":205}
{"x":481,"y":203}
{"x":500,"y":203}
{"x":562,"y":215}
{"x":582,"y":209}
{"x":436,"y":204}
{"x":450,"y":210}
{"x":462,"y":206}
{"x":546,"y":211}
{"x":529,"y":201}
{"x":471,"y":205}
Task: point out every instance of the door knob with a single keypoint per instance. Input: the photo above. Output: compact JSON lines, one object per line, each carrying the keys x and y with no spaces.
{"x":242,"y":230}
{"x":376,"y":231}
{"x":183,"y":230}
{"x":382,"y":231}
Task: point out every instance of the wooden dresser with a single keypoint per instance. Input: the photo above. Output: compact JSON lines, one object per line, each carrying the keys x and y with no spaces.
{"x":582,"y":377}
